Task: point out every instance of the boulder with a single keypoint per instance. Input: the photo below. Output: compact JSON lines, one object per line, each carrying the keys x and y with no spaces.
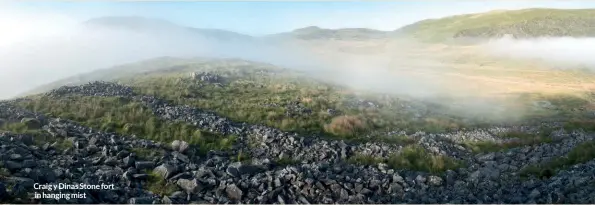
{"x":190,"y":186}
{"x":31,"y":123}
{"x":166,"y":170}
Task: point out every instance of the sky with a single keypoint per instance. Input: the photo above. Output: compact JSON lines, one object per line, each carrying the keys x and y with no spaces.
{"x":260,"y":18}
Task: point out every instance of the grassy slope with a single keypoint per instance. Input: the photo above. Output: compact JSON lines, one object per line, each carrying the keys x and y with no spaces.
{"x":254,"y":97}
{"x":520,"y":23}
{"x":261,"y":93}
{"x":112,"y":114}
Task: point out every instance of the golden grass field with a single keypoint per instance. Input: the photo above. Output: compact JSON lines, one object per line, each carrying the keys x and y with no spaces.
{"x":467,"y":72}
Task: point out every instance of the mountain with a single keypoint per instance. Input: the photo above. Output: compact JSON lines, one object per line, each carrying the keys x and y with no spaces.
{"x":142,"y":24}
{"x":526,"y":23}
{"x":317,"y":33}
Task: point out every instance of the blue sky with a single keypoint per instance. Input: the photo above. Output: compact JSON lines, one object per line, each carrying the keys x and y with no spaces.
{"x":258,"y":18}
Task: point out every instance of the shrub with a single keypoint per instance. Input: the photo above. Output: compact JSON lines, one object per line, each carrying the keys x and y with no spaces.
{"x":346,"y":125}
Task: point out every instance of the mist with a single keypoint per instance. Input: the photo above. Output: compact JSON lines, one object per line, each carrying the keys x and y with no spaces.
{"x":80,"y":48}
{"x":42,"y":48}
{"x":562,"y":52}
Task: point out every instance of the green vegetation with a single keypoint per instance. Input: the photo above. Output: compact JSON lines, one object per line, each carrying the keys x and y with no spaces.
{"x":4,"y":172}
{"x":112,"y":114}
{"x":519,"y":23}
{"x":579,"y":154}
{"x":286,"y":161}
{"x":278,"y":98}
{"x":160,"y":186}
{"x":39,"y":136}
{"x":412,"y":158}
{"x":519,"y":139}
{"x":241,"y":157}
{"x":146,"y":152}
{"x":582,"y":124}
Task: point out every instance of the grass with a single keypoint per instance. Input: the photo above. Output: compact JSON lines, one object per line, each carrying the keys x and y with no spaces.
{"x":580,"y":124}
{"x":286,"y":161}
{"x":259,"y":93}
{"x":158,"y":185}
{"x":412,"y":158}
{"x":39,"y":136}
{"x":520,"y":23}
{"x":269,"y":99}
{"x":520,"y":139}
{"x":241,"y":157}
{"x":579,"y":154}
{"x":113,"y":114}
{"x":146,"y":152}
{"x":346,"y":125}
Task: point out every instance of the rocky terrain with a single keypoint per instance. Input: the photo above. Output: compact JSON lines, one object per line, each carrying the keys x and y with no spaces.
{"x":279,"y":167}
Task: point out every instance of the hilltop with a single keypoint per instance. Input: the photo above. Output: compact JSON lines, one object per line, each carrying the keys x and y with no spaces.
{"x":525,"y":23}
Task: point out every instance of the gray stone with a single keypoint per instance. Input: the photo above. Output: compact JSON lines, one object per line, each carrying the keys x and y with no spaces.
{"x":238,"y":169}
{"x":190,"y":186}
{"x":3,"y":193}
{"x":534,"y":194}
{"x":434,"y":180}
{"x":12,"y":166}
{"x":181,"y":157}
{"x":140,"y":200}
{"x":166,"y":170}
{"x":233,"y":192}
{"x":142,"y":165}
{"x":180,"y":146}
{"x":31,"y":123}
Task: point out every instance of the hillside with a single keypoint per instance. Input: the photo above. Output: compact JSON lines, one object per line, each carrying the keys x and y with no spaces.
{"x":317,"y":33}
{"x":141,"y":24}
{"x":518,"y":23}
{"x":222,"y":130}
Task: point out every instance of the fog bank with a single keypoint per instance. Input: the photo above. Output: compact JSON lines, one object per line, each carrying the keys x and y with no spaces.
{"x":564,"y":52}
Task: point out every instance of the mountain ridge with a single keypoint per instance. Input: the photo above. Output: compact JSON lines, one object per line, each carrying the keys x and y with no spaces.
{"x":442,"y":28}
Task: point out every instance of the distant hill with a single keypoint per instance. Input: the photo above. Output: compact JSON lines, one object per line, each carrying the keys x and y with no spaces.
{"x":524,"y":23}
{"x":115,"y":72}
{"x":317,"y":33}
{"x":143,"y":24}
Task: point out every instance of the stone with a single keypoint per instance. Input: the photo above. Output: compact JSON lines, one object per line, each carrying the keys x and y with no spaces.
{"x":180,"y":146}
{"x":31,"y":123}
{"x":190,"y":186}
{"x":166,"y":170}
{"x":233,"y":192}
{"x":142,"y":165}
